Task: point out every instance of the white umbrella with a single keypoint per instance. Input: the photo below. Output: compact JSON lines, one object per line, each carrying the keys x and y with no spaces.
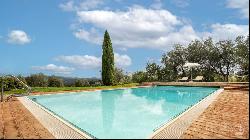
{"x":190,"y":66}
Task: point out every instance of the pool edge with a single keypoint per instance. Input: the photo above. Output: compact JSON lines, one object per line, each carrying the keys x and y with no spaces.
{"x":92,"y":90}
{"x":56,"y":129}
{"x":169,"y":128}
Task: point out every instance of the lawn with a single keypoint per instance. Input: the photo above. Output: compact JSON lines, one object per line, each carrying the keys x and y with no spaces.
{"x":57,"y":89}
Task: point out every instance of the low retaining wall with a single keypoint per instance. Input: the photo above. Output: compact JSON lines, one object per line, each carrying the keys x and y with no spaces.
{"x":209,"y":84}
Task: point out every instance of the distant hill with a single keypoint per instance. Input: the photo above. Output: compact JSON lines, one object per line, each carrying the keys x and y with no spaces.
{"x":71,"y":80}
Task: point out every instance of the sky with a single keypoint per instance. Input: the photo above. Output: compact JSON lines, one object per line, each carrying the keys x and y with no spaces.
{"x":64,"y":37}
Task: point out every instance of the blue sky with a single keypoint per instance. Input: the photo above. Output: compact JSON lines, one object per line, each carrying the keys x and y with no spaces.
{"x":64,"y":37}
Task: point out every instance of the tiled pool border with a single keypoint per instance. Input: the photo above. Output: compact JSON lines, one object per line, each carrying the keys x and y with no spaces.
{"x":176,"y":127}
{"x":161,"y":125}
{"x":84,"y":134}
{"x":58,"y":127}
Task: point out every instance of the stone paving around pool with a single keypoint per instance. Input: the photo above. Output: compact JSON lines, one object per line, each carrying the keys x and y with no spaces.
{"x":228,"y":117}
{"x":16,"y":122}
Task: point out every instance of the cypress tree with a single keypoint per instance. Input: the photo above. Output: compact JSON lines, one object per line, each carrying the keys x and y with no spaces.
{"x":107,"y":61}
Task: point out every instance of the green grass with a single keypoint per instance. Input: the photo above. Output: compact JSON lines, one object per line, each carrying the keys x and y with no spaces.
{"x":15,"y":91}
{"x":57,"y":89}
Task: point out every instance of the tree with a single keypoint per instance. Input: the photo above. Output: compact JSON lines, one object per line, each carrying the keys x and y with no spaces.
{"x":119,"y":76}
{"x":37,"y":80}
{"x":226,"y":59}
{"x":217,"y":60}
{"x":242,"y":54}
{"x":139,"y":77}
{"x":107,"y":61}
{"x":207,"y":55}
{"x":153,"y":71}
{"x":210,"y":62}
{"x":165,"y":74}
{"x":127,"y":79}
{"x":174,"y":60}
{"x":9,"y":83}
{"x":196,"y":52}
{"x":54,"y":81}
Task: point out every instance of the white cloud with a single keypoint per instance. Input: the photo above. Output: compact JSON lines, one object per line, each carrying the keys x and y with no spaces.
{"x":18,"y":37}
{"x":54,"y":68}
{"x":89,"y":36}
{"x":93,"y":62}
{"x":81,"y":61}
{"x":137,"y":27}
{"x":139,"y":19}
{"x":122,"y":60}
{"x":242,"y":5}
{"x":83,"y":5}
{"x":226,"y":31}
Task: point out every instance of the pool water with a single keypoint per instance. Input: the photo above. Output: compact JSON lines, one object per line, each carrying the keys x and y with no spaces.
{"x":124,"y":113}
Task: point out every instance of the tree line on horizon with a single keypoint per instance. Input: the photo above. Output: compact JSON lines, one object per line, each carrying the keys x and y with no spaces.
{"x":220,"y":61}
{"x":42,"y":80}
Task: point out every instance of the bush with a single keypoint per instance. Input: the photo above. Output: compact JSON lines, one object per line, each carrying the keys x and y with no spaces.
{"x":9,"y":83}
{"x":233,"y":79}
{"x":37,"y":80}
{"x":95,"y":83}
{"x":139,"y":77}
{"x":127,"y":79}
{"x":121,"y":77}
{"x":54,"y":81}
{"x":245,"y":78}
{"x":98,"y":83}
{"x":218,"y":78}
{"x":81,"y":83}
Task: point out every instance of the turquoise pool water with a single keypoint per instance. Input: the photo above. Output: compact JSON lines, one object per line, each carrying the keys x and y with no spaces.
{"x":125,"y":113}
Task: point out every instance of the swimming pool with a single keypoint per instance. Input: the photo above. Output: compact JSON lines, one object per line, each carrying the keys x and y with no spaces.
{"x":123,"y":113}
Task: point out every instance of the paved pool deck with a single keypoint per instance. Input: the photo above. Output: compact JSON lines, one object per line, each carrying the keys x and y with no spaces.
{"x":226,"y":117}
{"x":16,"y":122}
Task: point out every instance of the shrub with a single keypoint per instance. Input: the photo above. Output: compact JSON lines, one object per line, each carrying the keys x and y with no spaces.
{"x":54,"y":81}
{"x":81,"y":83}
{"x":139,"y":77}
{"x":37,"y":80}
